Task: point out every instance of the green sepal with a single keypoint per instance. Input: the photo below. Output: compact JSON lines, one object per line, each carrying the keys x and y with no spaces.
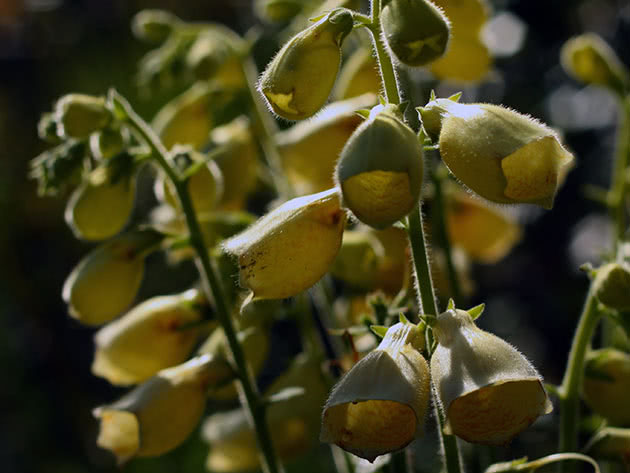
{"x":379,"y":330}
{"x":476,"y":311}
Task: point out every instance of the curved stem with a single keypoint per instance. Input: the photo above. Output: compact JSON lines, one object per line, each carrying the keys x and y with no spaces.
{"x":212,"y":288}
{"x":569,"y":390}
{"x":420,"y":257}
{"x":388,"y":74}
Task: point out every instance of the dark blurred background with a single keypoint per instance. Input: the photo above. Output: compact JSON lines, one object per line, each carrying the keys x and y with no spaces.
{"x":51,"y":47}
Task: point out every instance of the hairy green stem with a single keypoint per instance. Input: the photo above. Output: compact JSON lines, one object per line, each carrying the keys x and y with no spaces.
{"x":569,"y":392}
{"x":212,"y":287}
{"x":416,"y":235}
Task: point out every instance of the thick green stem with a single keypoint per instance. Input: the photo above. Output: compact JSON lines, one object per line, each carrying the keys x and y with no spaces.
{"x":415,"y":231}
{"x":569,"y":392}
{"x":212,"y":287}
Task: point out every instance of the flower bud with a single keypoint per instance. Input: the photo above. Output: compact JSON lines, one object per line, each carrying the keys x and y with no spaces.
{"x":612,"y":286}
{"x":359,"y":75}
{"x":415,"y":30}
{"x":148,"y":338}
{"x":101,"y":207}
{"x":238,"y":162}
{"x":47,"y":128}
{"x":589,"y":59}
{"x":154,"y":26}
{"x":498,"y":153}
{"x":255,"y":343}
{"x":79,"y":115}
{"x":487,"y":389}
{"x":467,"y":17}
{"x":483,"y":232}
{"x":380,"y":168}
{"x":159,"y":414}
{"x":291,"y":248}
{"x":58,"y":168}
{"x":309,"y":149}
{"x":298,"y":81}
{"x":380,"y":404}
{"x":606,"y":384}
{"x":188,"y":118}
{"x":293,"y":422}
{"x":106,"y":280}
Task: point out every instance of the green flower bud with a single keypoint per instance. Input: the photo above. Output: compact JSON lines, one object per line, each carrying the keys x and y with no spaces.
{"x":380,"y":168}
{"x":606,"y":384}
{"x":154,"y":26}
{"x":415,"y":30}
{"x":80,"y":115}
{"x":379,"y":406}
{"x":101,"y":207}
{"x":309,"y":149}
{"x":612,"y":286}
{"x":589,"y":59}
{"x":161,"y":413}
{"x":238,"y":162}
{"x":298,"y":81}
{"x":498,"y":153}
{"x":487,"y":389}
{"x":291,"y":248}
{"x":106,"y":281}
{"x":148,"y":338}
{"x":359,"y":75}
{"x":467,"y":17}
{"x":58,"y":168}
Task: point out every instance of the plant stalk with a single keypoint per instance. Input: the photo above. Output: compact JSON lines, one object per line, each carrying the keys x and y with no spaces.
{"x":415,"y":232}
{"x":569,"y":392}
{"x":213,"y":289}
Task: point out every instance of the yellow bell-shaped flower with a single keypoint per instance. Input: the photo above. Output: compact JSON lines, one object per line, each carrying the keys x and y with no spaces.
{"x":101,"y":206}
{"x":589,"y":59}
{"x":502,"y":155}
{"x":161,"y":413}
{"x":380,"y":404}
{"x":298,"y":81}
{"x":488,"y":390}
{"x":291,"y":248}
{"x":309,"y":149}
{"x":485,"y":233}
{"x":238,"y":162}
{"x":380,"y":168}
{"x":467,"y":58}
{"x":606,"y":384}
{"x":106,"y":281}
{"x":150,"y":337}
